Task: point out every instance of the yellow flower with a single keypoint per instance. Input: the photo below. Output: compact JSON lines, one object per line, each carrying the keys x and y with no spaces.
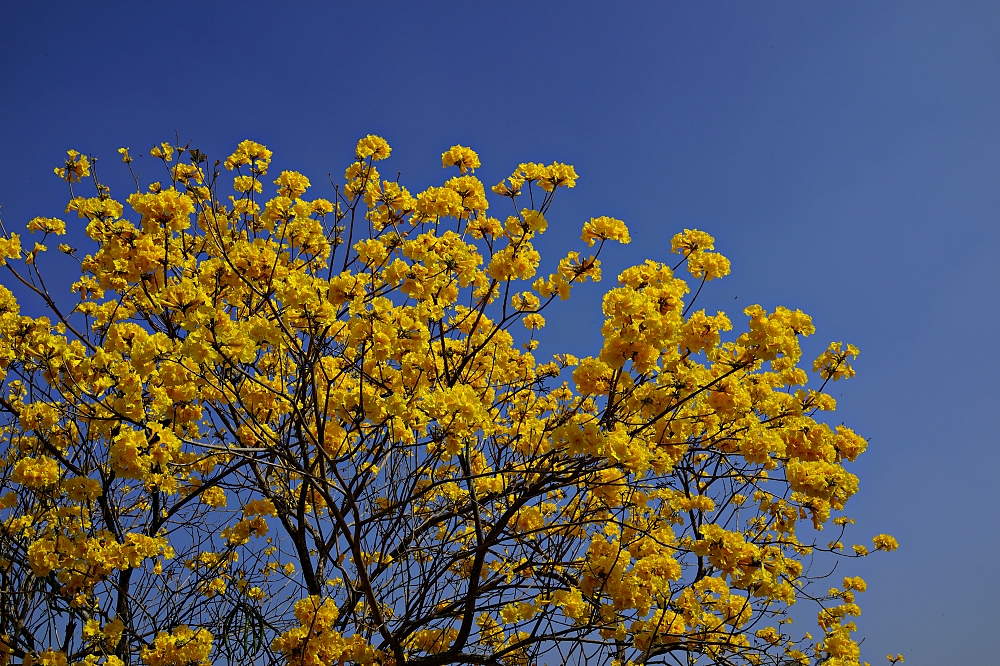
{"x":605,"y":228}
{"x":511,"y":187}
{"x":691,"y":240}
{"x":558,"y":175}
{"x":214,"y":497}
{"x":186,"y":173}
{"x":40,"y":472}
{"x":525,"y":301}
{"x":10,"y":248}
{"x":245,"y":184}
{"x":49,"y":657}
{"x":885,"y":542}
{"x":260,"y":507}
{"x":291,"y":184}
{"x":709,"y":265}
{"x":372,"y":146}
{"x":180,"y":646}
{"x":164,"y":151}
{"x":833,"y":363}
{"x":855,"y":583}
{"x":572,"y":603}
{"x":47,"y":225}
{"x":437,"y":202}
{"x":250,"y":153}
{"x":533,"y":322}
{"x":77,"y":166}
{"x":464,"y":158}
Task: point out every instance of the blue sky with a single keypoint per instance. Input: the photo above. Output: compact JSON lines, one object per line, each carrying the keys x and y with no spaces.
{"x":845,"y":155}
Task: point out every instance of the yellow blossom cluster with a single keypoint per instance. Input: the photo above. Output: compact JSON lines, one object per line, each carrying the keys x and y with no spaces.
{"x":181,"y":647}
{"x":315,"y":642}
{"x":463,"y":157}
{"x":77,"y":166}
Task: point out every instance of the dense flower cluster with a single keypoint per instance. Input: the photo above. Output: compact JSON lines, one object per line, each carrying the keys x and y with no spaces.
{"x":302,"y":429}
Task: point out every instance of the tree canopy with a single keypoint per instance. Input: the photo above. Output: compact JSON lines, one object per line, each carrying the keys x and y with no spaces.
{"x":315,"y":431}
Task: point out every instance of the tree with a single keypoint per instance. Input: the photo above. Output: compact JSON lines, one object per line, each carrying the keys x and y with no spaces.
{"x":314,"y":431}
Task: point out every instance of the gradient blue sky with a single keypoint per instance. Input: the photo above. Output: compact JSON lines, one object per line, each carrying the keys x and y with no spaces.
{"x":845,"y":155}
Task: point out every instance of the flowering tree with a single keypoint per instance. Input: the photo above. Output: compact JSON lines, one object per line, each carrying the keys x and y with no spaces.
{"x":313,"y":431}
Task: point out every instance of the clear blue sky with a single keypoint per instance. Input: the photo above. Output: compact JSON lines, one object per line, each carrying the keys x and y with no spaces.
{"x":845,"y":155}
